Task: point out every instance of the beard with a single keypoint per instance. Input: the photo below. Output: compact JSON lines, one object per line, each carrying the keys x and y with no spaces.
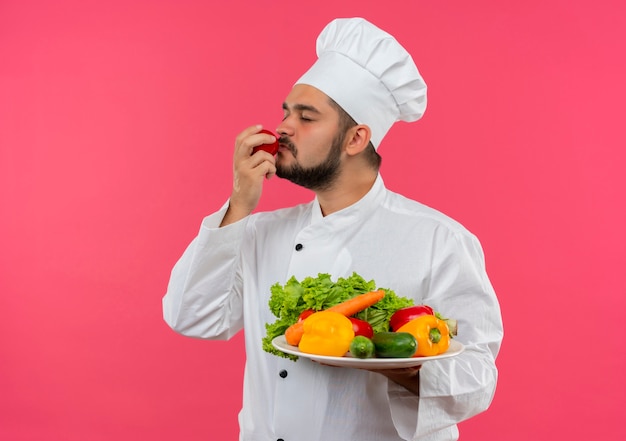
{"x":317,"y":177}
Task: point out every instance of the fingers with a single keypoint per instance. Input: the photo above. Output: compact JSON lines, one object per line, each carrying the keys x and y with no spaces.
{"x":261,"y":163}
{"x":250,"y":170}
{"x":249,"y":138}
{"x":242,"y":141}
{"x":270,"y":173}
{"x":265,"y":166}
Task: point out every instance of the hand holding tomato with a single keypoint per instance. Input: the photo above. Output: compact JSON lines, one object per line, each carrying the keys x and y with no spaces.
{"x":271,"y":148}
{"x":250,"y":171}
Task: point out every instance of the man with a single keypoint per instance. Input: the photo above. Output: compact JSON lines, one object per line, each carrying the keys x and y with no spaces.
{"x":335,"y":118}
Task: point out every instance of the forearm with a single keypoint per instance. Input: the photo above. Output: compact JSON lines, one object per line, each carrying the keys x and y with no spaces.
{"x":234,"y":214}
{"x":203,"y":296}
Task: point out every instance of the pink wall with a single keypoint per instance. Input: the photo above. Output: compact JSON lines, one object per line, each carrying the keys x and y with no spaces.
{"x":117,"y":120}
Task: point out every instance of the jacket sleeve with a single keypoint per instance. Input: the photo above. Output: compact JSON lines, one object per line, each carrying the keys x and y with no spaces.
{"x":455,"y":389}
{"x":203,"y":297}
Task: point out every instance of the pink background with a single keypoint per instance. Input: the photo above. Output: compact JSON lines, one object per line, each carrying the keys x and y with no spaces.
{"x":117,"y":121}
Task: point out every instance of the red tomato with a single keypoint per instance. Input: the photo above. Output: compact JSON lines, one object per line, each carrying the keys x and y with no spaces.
{"x":405,"y":315}
{"x":269,"y":148}
{"x":304,"y":314}
{"x":361,"y":327}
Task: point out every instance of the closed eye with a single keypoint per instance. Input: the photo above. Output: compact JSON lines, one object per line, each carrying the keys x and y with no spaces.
{"x":307,"y":112}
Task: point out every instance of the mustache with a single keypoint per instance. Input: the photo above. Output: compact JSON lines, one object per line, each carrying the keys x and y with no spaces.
{"x":285,"y":141}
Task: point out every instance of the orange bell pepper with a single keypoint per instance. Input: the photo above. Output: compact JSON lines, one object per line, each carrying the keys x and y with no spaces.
{"x":432,"y":335}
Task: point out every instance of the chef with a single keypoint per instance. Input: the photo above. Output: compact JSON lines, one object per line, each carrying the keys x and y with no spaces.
{"x":335,"y":119}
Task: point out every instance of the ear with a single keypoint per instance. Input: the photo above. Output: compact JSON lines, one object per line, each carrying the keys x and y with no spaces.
{"x":357,"y":138}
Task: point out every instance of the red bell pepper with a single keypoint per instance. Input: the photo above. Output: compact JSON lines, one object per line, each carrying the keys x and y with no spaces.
{"x":405,"y":315}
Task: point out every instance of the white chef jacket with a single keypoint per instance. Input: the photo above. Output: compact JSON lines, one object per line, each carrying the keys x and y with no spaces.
{"x":221,"y":284}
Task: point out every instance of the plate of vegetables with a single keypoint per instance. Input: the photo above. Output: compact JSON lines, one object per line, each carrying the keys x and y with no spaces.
{"x":352,"y":323}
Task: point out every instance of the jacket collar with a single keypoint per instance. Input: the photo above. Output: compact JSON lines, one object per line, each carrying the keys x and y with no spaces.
{"x":360,"y":209}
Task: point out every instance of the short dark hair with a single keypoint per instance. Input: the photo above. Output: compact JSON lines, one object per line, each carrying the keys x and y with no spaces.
{"x":346,"y":122}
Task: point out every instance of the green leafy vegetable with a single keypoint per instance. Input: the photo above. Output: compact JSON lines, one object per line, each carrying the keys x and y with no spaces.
{"x":287,"y":303}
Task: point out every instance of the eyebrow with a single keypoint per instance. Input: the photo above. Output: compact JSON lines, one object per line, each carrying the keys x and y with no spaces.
{"x":301,"y":108}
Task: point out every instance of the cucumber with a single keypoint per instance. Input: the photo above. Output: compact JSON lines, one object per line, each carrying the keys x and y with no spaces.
{"x":394,"y":344}
{"x":362,"y":347}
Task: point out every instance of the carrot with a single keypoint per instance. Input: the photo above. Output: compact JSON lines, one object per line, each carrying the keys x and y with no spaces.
{"x":358,"y":303}
{"x":293,"y":334}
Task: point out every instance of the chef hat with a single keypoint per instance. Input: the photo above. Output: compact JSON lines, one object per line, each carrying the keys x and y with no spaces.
{"x":369,"y":74}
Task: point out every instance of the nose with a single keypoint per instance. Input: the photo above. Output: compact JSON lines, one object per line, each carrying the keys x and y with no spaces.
{"x":285,"y":128}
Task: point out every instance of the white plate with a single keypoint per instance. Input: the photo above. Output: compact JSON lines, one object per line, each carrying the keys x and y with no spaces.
{"x":367,"y":363}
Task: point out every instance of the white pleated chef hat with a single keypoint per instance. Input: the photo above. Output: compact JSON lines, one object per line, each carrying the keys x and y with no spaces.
{"x":369,"y":74}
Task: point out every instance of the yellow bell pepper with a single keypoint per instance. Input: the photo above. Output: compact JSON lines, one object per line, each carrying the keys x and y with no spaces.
{"x":326,"y":333}
{"x":431,"y":333}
